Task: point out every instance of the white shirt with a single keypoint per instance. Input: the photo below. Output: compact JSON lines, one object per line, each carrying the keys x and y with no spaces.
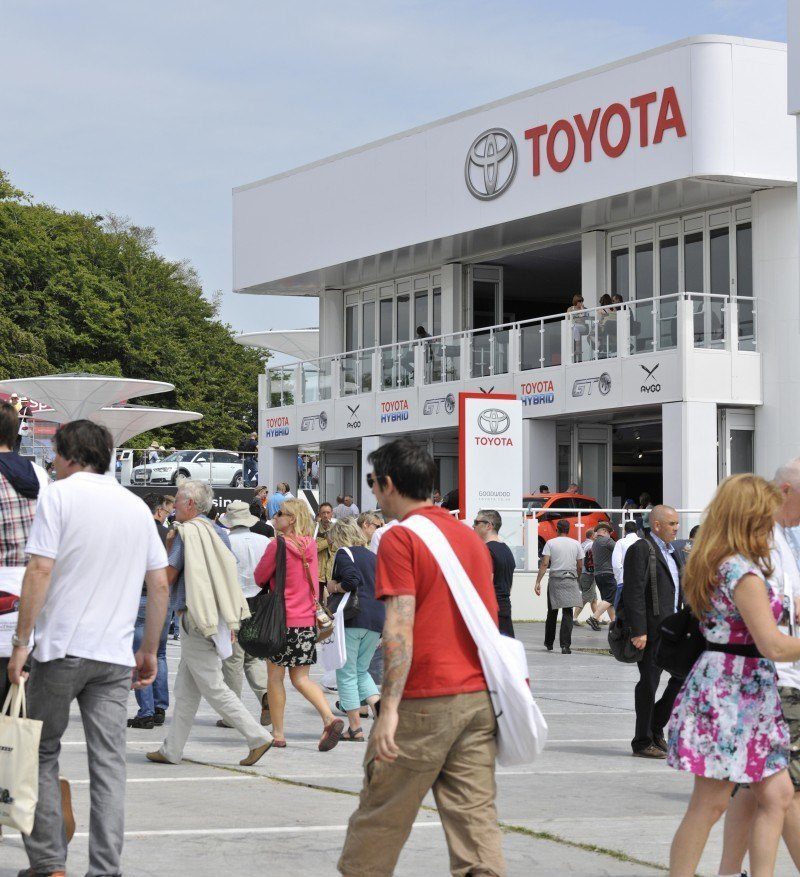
{"x":103,"y":541}
{"x":564,"y":554}
{"x":787,"y":578}
{"x":378,"y":535}
{"x":618,"y":555}
{"x":248,"y":548}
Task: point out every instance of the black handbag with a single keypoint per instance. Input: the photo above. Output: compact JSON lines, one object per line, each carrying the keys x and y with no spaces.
{"x":353,"y":606}
{"x":263,"y":634}
{"x":680,"y":643}
{"x":619,"y":631}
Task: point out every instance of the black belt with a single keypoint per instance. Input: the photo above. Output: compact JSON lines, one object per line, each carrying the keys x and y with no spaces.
{"x":740,"y":649}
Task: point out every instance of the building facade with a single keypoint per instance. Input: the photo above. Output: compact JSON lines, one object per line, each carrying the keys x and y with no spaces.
{"x":445,"y":259}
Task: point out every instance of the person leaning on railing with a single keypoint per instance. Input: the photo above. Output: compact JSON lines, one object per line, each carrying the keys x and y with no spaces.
{"x":580,"y":328}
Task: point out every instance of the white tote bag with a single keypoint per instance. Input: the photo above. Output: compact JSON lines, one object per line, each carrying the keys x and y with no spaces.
{"x":521,"y":728}
{"x":333,"y":653}
{"x":19,"y":762}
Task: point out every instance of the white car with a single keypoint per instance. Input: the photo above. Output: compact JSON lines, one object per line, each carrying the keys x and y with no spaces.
{"x":223,"y":468}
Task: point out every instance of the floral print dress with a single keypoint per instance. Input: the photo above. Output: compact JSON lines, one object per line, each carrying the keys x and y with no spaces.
{"x":727,"y":722}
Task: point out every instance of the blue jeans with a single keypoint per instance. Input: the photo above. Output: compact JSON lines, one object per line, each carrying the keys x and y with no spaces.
{"x":353,"y":680}
{"x":249,"y":471}
{"x":157,"y":694}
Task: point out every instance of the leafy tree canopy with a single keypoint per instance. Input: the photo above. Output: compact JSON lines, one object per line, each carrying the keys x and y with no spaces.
{"x":91,"y":294}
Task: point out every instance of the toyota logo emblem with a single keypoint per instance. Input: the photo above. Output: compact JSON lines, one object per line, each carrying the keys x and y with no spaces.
{"x":491,"y":164}
{"x":493,"y":421}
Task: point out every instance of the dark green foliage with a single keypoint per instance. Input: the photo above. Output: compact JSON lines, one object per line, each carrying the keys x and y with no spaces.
{"x":83,"y":293}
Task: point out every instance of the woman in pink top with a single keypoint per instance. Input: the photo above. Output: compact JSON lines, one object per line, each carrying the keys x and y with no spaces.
{"x":294,"y":524}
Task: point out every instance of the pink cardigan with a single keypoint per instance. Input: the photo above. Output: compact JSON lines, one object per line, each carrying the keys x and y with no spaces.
{"x":299,"y":596}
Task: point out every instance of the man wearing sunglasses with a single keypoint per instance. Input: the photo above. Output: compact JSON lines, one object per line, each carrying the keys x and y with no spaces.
{"x":487,"y":525}
{"x":436,"y":728}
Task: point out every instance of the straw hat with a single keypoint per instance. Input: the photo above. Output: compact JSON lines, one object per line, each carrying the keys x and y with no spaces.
{"x":154,"y":446}
{"x":238,"y":515}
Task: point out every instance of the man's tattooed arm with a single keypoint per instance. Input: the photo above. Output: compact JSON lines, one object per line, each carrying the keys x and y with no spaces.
{"x":398,"y":647}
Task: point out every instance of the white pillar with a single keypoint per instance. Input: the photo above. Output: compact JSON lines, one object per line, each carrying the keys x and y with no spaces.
{"x":331,"y":322}
{"x":280,"y":464}
{"x":452,"y":298}
{"x":369,"y":443}
{"x":593,"y":267}
{"x":539,"y":455}
{"x":689,"y":439}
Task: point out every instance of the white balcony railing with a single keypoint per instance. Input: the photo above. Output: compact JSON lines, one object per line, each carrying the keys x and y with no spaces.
{"x":644,"y":326}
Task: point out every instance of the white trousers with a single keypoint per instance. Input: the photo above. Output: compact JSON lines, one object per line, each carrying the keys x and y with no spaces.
{"x":241,"y":665}
{"x":200,"y":675}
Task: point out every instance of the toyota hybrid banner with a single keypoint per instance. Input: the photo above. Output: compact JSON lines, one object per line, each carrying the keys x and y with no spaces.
{"x":490,"y":452}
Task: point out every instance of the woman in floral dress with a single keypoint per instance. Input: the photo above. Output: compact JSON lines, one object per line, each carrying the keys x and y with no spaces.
{"x":726,"y":725}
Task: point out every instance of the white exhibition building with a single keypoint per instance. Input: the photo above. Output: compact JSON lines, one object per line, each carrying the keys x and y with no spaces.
{"x":668,"y":178}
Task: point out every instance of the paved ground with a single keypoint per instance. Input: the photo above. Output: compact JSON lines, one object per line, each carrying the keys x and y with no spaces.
{"x":583,"y":809}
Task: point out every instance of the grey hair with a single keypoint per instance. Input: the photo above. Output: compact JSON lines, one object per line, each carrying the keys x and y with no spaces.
{"x":789,"y":473}
{"x":493,"y":518}
{"x":199,"y":492}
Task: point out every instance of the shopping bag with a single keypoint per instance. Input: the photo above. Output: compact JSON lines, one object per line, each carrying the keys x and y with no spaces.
{"x":333,"y":653}
{"x":263,"y":634}
{"x":521,"y":728}
{"x":19,"y":762}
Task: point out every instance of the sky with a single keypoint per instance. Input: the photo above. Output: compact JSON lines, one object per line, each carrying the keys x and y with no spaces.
{"x":156,"y":110}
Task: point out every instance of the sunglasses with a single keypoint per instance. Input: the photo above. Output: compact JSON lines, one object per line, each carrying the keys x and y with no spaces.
{"x":480,"y":521}
{"x":371,"y":479}
{"x":282,"y":514}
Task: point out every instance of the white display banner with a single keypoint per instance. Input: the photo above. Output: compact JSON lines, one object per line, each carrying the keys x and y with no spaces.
{"x":490,"y":452}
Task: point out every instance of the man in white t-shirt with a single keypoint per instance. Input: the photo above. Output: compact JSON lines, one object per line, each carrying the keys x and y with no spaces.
{"x":80,"y":598}
{"x":784,"y":559}
{"x":563,"y":556}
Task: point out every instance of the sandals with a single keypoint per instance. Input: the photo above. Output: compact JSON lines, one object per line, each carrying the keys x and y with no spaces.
{"x":355,"y":736}
{"x":363,"y":712}
{"x":331,"y":735}
{"x":278,"y":744}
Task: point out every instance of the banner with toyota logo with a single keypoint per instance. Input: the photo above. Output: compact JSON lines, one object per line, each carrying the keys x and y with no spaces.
{"x":490,"y":452}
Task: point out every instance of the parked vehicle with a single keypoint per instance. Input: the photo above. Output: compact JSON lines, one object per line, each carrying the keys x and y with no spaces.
{"x":8,"y":603}
{"x":547,"y":520}
{"x":223,"y":468}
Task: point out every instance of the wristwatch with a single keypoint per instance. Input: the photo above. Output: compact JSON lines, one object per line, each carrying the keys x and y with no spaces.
{"x":18,"y":643}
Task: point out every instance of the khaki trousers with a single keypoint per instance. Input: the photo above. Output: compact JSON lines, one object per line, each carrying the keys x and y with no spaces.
{"x":446,"y":744}
{"x":200,"y":675}
{"x":241,"y":665}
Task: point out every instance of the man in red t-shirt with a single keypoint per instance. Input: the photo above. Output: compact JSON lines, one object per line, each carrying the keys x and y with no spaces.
{"x":436,"y":729}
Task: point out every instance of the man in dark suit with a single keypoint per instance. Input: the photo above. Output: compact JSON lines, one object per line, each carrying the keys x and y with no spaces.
{"x":644,"y":617}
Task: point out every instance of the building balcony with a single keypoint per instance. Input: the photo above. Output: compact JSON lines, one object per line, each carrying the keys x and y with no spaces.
{"x":686,"y":346}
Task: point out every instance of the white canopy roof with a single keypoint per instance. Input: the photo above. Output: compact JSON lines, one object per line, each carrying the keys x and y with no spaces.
{"x":126,"y":421}
{"x":302,"y":344}
{"x":78,"y":395}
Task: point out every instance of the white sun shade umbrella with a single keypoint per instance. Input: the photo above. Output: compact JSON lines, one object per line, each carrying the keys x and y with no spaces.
{"x":126,"y":421}
{"x":302,"y":344}
{"x":77,"y":395}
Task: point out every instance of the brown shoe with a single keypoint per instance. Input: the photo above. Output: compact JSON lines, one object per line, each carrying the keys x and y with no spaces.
{"x":650,"y":751}
{"x":157,"y":757}
{"x":331,"y":736}
{"x":66,"y":808}
{"x":255,"y":754}
{"x":29,"y":872}
{"x":266,"y":717}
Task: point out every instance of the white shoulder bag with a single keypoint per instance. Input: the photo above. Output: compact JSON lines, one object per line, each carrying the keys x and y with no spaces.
{"x":521,"y":728}
{"x":19,"y":762}
{"x":332,"y":652}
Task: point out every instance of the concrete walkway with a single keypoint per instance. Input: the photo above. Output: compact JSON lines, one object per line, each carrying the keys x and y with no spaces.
{"x":586,"y":808}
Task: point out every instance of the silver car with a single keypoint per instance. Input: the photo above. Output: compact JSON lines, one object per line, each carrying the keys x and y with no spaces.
{"x":222,"y":468}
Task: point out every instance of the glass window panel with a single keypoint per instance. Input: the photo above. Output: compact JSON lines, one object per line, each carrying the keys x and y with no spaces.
{"x":720,"y":263}
{"x":351,"y":328}
{"x":741,"y":453}
{"x":744,"y":259}
{"x":644,"y":271}
{"x":403,"y":317}
{"x":421,"y":313}
{"x":620,"y":283}
{"x":593,"y":466}
{"x":484,"y":303}
{"x":693,"y":263}
{"x":668,"y":267}
{"x":436,"y":327}
{"x":386,"y":321}
{"x":747,"y":324}
{"x":368,"y":329}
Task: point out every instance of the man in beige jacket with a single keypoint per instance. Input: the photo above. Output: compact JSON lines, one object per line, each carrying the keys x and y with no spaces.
{"x":210,"y":604}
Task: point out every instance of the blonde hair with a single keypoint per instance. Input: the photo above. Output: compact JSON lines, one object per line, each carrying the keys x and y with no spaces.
{"x":375,"y":518}
{"x":303,"y":522}
{"x":738,"y":520}
{"x":345,"y":534}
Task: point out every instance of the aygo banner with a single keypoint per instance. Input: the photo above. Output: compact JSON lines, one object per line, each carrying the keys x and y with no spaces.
{"x":490,"y":452}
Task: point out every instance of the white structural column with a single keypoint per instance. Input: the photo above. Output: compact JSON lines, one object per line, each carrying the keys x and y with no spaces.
{"x":593,"y":267}
{"x":280,"y":464}
{"x":331,"y":322}
{"x":366,"y":501}
{"x":539,"y":460}
{"x":777,"y":286}
{"x":689,"y":435}
{"x":452,"y":298}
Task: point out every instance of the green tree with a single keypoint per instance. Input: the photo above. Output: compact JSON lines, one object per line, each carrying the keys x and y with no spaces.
{"x":88,"y":293}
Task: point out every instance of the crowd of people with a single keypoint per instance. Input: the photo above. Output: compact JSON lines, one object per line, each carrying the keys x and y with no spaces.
{"x":96,"y":604}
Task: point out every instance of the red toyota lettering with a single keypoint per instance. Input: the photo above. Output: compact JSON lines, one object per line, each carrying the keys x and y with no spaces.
{"x":534,"y":135}
{"x":560,"y":165}
{"x":669,"y":116}
{"x":611,"y":111}
{"x":642,"y":102}
{"x":587,"y":132}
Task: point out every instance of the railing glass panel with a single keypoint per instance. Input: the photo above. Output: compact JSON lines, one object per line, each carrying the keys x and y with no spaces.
{"x":709,"y":321}
{"x":397,"y":366}
{"x":747,"y":323}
